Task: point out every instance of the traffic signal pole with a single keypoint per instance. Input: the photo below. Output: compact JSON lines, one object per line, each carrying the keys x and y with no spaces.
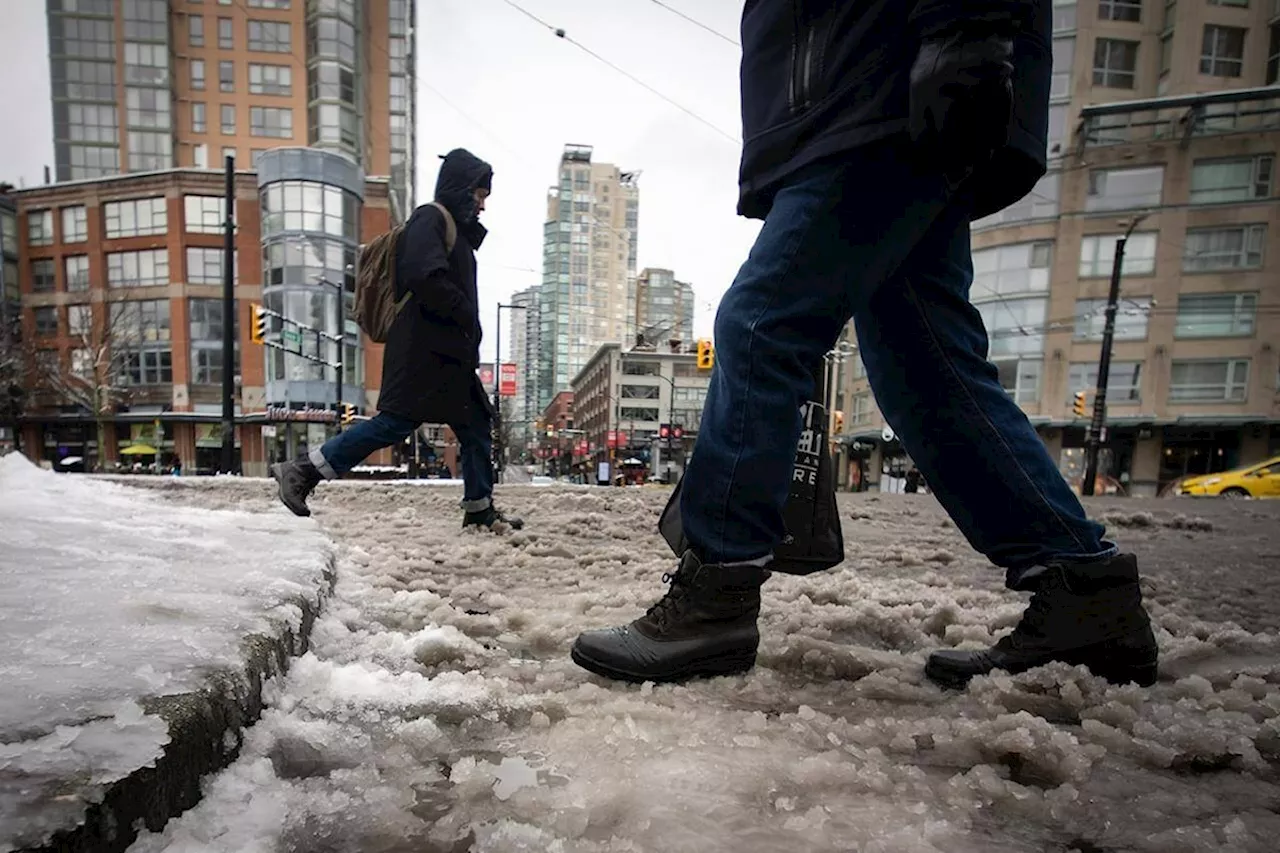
{"x":228,"y":321}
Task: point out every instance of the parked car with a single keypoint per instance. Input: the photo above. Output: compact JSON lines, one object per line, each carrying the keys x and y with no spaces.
{"x":1259,"y":480}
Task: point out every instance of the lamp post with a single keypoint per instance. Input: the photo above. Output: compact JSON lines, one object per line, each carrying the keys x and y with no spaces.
{"x":497,"y":389}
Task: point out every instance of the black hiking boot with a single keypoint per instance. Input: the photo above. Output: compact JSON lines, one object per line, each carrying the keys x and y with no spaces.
{"x":704,"y":626}
{"x":297,"y":479}
{"x":489,"y":516}
{"x":1087,"y":613}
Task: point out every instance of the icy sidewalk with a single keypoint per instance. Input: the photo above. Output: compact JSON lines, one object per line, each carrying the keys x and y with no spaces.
{"x":134,"y":637}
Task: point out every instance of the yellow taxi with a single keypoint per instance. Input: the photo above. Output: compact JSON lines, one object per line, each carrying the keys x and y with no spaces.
{"x":1259,"y":480}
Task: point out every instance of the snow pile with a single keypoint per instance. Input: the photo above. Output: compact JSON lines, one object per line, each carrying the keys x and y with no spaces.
{"x":109,"y":595}
{"x":438,"y":710}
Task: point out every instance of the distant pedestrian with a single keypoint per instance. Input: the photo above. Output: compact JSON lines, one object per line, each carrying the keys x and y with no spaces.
{"x":913,"y":481}
{"x":432,"y":351}
{"x":875,"y":133}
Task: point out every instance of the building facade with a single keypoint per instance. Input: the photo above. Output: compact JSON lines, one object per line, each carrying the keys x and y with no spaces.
{"x":587,"y":295}
{"x":623,"y":398}
{"x":1166,"y":121}
{"x":149,"y":85}
{"x":526,"y":329}
{"x":12,"y":370}
{"x":664,"y":308}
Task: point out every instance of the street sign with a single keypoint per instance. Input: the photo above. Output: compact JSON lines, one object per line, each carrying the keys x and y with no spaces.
{"x":269,"y":431}
{"x":289,"y":336}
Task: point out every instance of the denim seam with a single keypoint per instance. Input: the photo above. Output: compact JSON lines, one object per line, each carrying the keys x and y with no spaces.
{"x":974,"y":408}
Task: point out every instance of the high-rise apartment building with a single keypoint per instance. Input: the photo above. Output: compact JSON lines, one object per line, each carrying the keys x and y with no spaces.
{"x":1165,"y":119}
{"x":589,"y":264}
{"x":148,"y":85}
{"x":524,"y":336}
{"x":664,"y":308}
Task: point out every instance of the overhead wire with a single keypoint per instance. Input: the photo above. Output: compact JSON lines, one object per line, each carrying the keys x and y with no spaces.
{"x":698,"y":24}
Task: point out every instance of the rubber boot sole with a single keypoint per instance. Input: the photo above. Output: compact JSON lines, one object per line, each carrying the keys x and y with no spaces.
{"x":1119,"y":672}
{"x":712,"y":666}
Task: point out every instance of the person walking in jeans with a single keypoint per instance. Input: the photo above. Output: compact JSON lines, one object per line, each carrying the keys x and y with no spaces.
{"x":432,"y":352}
{"x":875,"y":132}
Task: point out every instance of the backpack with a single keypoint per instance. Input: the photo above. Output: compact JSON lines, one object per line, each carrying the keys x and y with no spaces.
{"x":376,"y":303}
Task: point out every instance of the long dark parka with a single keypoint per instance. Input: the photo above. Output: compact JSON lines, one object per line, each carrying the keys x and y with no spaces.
{"x":433,"y":347}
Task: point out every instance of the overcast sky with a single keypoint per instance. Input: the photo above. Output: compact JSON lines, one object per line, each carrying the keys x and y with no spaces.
{"x":495,"y":82}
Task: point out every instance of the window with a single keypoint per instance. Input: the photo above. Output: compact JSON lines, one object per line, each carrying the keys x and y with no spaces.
{"x":206,"y":341}
{"x":331,"y":38}
{"x":1121,"y":189}
{"x":79,"y":320}
{"x":150,"y":151}
{"x":640,"y":392}
{"x":145,"y":19}
{"x":195,"y":30}
{"x":228,"y":151}
{"x":199,"y":117}
{"x":1098,"y":254}
{"x":1120,"y":10}
{"x":149,"y":366}
{"x":1124,"y":381}
{"x":1040,"y":203}
{"x":271,"y":121}
{"x":635,"y":413}
{"x":204,"y":213}
{"x":1231,"y":179}
{"x":270,"y":79}
{"x":81,"y":363}
{"x":141,"y":322}
{"x":92,"y":123}
{"x":226,"y":76}
{"x":1273,"y":56}
{"x":1020,"y":378}
{"x":1015,"y":269}
{"x":1115,"y":63}
{"x":1216,"y":315}
{"x":197,"y":75}
{"x":228,"y":112}
{"x":270,"y":36}
{"x":146,"y":64}
{"x":1014,"y":326}
{"x":146,"y":268}
{"x":40,"y":227}
{"x":226,"y":37}
{"x":86,"y":38}
{"x":44,"y":277}
{"x":862,"y":409}
{"x":46,"y":321}
{"x":148,"y":108}
{"x":1222,"y":51}
{"x":1131,"y":318}
{"x":269,"y":4}
{"x":329,"y":80}
{"x":1233,"y":248}
{"x":640,"y":368}
{"x":75,"y":224}
{"x":1210,"y":381}
{"x":76,"y":268}
{"x":337,"y":123}
{"x":204,"y":266}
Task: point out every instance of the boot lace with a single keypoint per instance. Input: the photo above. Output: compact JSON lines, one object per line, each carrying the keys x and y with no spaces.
{"x":667,"y":607}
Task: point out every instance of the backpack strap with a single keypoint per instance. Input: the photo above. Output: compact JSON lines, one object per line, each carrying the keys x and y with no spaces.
{"x":450,"y":227}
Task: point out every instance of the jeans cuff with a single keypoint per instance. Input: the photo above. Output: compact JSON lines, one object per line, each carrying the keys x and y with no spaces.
{"x":322,"y":465}
{"x":478,"y":505}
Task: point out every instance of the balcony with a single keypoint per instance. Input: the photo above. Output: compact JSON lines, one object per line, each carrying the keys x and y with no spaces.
{"x":1179,"y":117}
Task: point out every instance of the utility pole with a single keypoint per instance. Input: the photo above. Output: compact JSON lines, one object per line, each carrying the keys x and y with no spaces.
{"x":1093,"y":442}
{"x":339,"y":362}
{"x":229,"y":320}
{"x":498,"y":449}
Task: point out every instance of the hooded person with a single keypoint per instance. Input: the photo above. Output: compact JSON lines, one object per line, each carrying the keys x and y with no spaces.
{"x":432,"y":352}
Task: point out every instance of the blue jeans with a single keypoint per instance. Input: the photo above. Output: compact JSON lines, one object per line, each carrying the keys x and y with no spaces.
{"x":344,"y":451}
{"x":876,"y":239}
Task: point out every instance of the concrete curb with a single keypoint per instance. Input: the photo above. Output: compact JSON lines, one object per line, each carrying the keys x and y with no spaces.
{"x":205,"y":733}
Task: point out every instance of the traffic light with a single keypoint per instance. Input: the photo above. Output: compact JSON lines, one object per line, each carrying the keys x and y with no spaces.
{"x":1078,"y":404}
{"x":664,"y":431}
{"x":348,"y":413}
{"x":839,"y":421}
{"x":258,"y":332}
{"x":706,"y":355}
{"x":677,"y":431}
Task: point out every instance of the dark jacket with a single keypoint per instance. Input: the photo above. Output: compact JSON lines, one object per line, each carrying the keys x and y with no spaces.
{"x":433,"y":347}
{"x":822,"y":77}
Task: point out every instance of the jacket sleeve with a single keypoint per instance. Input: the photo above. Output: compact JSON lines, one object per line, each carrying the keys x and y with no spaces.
{"x":932,"y":18}
{"x":426,"y":265}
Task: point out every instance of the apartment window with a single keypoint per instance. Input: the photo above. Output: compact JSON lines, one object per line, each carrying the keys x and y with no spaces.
{"x":329,"y":80}
{"x":1115,"y":63}
{"x":146,"y":268}
{"x":640,"y":392}
{"x":636,"y":413}
{"x":1123,"y":189}
{"x":1220,"y":249}
{"x":44,"y":277}
{"x":1222,"y":51}
{"x":141,"y":322}
{"x":1124,"y":381}
{"x":81,"y":363}
{"x":1231,"y":179}
{"x":90,"y":81}
{"x":197,"y":75}
{"x":269,"y":4}
{"x":1131,"y":318}
{"x":270,"y":79}
{"x":1098,"y":254}
{"x":204,"y":266}
{"x":206,"y":324}
{"x":82,"y":37}
{"x":1020,"y":378}
{"x":46,"y":321}
{"x":148,"y":366}
{"x":1273,"y":56}
{"x":1216,"y":315}
{"x":254,"y":155}
{"x":338,"y":123}
{"x":335,"y":39}
{"x":228,"y":151}
{"x":271,"y":121}
{"x":76,"y":270}
{"x":861,"y":410}
{"x":204,"y":213}
{"x":150,"y":151}
{"x":226,"y":37}
{"x":92,"y":123}
{"x":199,"y":117}
{"x":40,"y":227}
{"x":1209,"y":381}
{"x":195,"y":30}
{"x":640,"y":368}
{"x":1064,"y":57}
{"x":146,"y":64}
{"x":75,"y":224}
{"x":1014,"y":269}
{"x":1166,"y":55}
{"x":148,"y":108}
{"x":270,"y":36}
{"x":226,"y":76}
{"x":79,"y":319}
{"x":1120,"y":10}
{"x":144,"y":19}
{"x":1015,"y":326}
{"x":228,"y":113}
